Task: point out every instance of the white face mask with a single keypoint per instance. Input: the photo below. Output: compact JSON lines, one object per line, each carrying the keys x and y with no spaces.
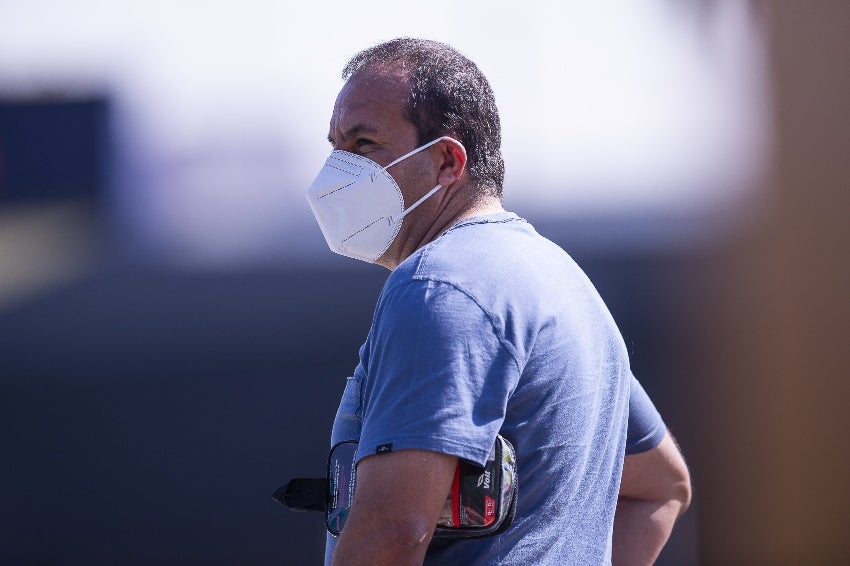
{"x":358,"y":204}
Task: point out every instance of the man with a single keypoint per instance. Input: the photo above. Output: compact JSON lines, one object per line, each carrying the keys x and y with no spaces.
{"x":483,"y":328}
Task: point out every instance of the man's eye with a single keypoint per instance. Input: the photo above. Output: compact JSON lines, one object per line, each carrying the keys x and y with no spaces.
{"x":363,"y":142}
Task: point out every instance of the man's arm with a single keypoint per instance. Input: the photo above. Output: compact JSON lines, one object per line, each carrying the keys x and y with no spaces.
{"x":654,"y":492}
{"x":397,"y":503}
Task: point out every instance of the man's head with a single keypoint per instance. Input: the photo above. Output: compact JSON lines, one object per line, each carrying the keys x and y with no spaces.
{"x":419,"y":113}
{"x":446,"y":95}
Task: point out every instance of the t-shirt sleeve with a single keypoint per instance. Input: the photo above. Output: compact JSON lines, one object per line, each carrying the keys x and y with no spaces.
{"x":439,"y":374}
{"x":646,"y":427}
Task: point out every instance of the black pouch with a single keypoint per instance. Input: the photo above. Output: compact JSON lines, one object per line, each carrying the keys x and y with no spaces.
{"x":481,"y":502}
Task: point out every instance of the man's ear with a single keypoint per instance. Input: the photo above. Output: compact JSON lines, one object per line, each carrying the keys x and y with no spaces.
{"x":452,"y":161}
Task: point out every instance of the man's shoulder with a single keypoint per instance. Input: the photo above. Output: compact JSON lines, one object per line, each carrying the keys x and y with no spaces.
{"x":498,"y":265}
{"x":486,"y":253}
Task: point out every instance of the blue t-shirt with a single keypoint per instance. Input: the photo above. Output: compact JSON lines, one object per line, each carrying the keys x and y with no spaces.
{"x":492,"y":328}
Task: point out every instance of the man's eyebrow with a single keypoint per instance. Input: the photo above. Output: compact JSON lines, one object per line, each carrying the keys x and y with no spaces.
{"x":356,"y":130}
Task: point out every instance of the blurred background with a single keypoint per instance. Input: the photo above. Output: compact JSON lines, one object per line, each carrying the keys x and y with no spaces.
{"x":174,"y":333}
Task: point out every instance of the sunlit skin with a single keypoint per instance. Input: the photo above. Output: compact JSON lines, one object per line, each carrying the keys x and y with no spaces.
{"x":654,"y":492}
{"x":368,"y":119}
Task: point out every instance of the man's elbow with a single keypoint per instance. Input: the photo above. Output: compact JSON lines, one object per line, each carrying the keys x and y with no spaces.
{"x":682,"y":491}
{"x":409,"y":535}
{"x":659,"y":475}
{"x":390,"y":541}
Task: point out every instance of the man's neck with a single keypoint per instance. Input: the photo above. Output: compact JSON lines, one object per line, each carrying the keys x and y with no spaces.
{"x":397,"y":254}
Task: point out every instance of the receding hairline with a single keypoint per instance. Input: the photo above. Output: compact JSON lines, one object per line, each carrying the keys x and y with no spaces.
{"x":390,"y":71}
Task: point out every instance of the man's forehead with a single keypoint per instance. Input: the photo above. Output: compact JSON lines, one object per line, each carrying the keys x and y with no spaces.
{"x":367,"y":100}
{"x":364,"y":88}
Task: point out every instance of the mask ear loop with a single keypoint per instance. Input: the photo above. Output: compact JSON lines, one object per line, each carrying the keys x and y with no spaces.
{"x":401,"y":216}
{"x":393,"y":219}
{"x":417,"y":150}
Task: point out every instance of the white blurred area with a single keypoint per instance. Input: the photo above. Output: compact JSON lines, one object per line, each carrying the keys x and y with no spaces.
{"x":647,"y":116}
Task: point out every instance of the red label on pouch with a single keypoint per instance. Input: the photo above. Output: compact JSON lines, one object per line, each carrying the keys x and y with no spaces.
{"x":489,"y":509}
